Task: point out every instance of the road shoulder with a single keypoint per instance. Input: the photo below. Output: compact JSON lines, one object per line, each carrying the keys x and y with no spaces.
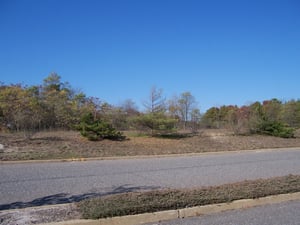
{"x":147,"y":156}
{"x":141,"y":218}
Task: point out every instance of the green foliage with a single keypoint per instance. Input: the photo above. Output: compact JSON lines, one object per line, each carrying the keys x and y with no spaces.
{"x":275,"y":128}
{"x":19,"y":109}
{"x":96,"y":129}
{"x":211,"y":118}
{"x":272,"y":109}
{"x":220,"y":117}
{"x":156,"y":122}
{"x":52,"y":105}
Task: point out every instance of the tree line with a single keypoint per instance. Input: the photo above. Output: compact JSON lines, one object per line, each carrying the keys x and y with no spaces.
{"x":56,"y":105}
{"x":271,"y":117}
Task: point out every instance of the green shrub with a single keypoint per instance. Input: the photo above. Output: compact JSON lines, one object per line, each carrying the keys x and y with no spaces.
{"x":96,"y":129}
{"x":157,"y":123}
{"x":275,"y":128}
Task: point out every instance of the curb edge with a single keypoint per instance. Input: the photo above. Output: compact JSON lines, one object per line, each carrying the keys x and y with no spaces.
{"x":184,"y":213}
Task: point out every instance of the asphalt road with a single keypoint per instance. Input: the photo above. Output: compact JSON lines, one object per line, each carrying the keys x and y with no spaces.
{"x":277,"y":214}
{"x":35,"y":184}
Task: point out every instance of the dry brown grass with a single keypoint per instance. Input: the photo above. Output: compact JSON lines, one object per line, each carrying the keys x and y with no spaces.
{"x":69,"y":144}
{"x":153,"y":201}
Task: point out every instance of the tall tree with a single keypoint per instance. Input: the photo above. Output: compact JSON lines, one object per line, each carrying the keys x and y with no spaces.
{"x":186,"y":105}
{"x":173,"y":107}
{"x":272,"y":109}
{"x":129,"y":107}
{"x":195,"y":119}
{"x":57,"y":99}
{"x":156,"y":102}
{"x":125,"y":114}
{"x":210,"y":118}
{"x":291,"y":113}
{"x":20,"y":108}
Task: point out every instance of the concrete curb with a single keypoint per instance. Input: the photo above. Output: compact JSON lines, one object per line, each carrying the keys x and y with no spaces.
{"x":183,"y":213}
{"x":145,"y":156}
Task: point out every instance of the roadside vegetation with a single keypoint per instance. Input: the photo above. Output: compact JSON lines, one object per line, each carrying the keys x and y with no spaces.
{"x":56,"y":105}
{"x":159,"y":200}
{"x":52,"y":121}
{"x":43,"y":122}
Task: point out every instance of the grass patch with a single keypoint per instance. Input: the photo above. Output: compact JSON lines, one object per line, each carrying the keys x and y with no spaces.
{"x":130,"y":134}
{"x":174,"y":135}
{"x":153,"y":201}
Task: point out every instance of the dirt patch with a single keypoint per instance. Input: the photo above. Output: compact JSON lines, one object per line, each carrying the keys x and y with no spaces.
{"x":40,"y":215}
{"x":69,"y":144}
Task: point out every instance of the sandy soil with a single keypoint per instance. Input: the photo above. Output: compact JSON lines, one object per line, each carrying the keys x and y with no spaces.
{"x":69,"y":144}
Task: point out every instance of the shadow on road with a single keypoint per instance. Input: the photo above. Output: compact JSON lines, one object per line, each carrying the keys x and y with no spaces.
{"x":66,"y":198}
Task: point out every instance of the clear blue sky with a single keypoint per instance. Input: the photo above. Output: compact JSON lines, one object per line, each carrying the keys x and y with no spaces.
{"x":222,"y":51}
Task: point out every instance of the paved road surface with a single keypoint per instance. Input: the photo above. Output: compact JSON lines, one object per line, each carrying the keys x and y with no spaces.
{"x":278,"y":214}
{"x":24,"y":185}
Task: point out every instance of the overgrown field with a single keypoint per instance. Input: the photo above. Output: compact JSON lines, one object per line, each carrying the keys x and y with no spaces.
{"x":69,"y":144}
{"x":153,"y":201}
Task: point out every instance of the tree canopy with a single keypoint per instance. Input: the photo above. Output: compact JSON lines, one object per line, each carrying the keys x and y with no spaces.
{"x":56,"y":105}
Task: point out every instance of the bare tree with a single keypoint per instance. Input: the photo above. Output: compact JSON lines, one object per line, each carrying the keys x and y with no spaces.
{"x":129,"y":107}
{"x":155,"y":118}
{"x":195,"y":119}
{"x":186,"y":104}
{"x":156,"y":102}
